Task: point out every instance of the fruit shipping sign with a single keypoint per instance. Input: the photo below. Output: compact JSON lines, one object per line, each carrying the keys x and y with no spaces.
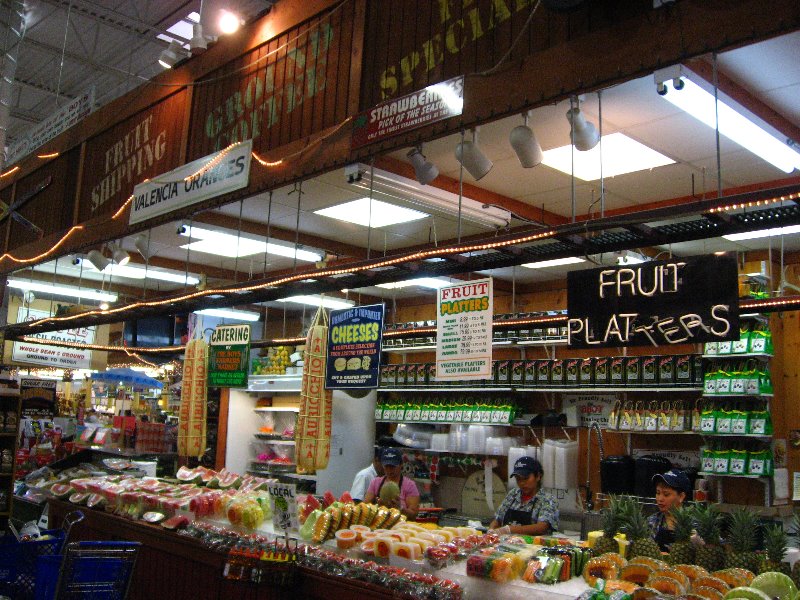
{"x":198,"y":180}
{"x":656,"y":303}
{"x":354,"y":347}
{"x":434,"y":103}
{"x":464,"y":331}
{"x":229,"y":356}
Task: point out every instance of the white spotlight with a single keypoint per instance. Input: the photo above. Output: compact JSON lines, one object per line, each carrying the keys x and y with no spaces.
{"x":583,"y":133}
{"x":171,"y":55}
{"x":198,"y":44}
{"x":424,"y":171}
{"x":142,"y":245}
{"x":228,"y":22}
{"x":474,"y":160}
{"x":525,"y":144}
{"x":97,"y":259}
{"x":119,"y":255}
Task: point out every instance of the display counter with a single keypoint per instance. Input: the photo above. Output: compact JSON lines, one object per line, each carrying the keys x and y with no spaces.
{"x":176,"y":567}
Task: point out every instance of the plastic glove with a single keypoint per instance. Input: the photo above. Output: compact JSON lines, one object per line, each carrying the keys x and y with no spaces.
{"x":502,"y":530}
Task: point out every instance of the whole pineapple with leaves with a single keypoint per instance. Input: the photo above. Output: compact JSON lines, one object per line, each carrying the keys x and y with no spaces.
{"x":682,"y":550}
{"x":611,"y":520}
{"x":743,"y":529}
{"x":775,"y":542}
{"x":795,"y":531}
{"x":708,"y":521}
{"x":635,"y":527}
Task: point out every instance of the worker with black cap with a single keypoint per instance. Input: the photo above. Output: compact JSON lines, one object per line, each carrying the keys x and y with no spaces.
{"x":527,"y":509}
{"x":408,"y":501}
{"x":672,"y":488}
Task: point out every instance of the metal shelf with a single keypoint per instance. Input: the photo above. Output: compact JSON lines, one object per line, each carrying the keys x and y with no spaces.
{"x":10,"y":434}
{"x":759,"y":396}
{"x":277,"y":409}
{"x":707,"y":474}
{"x":524,"y":388}
{"x":761,"y":355}
{"x":756,"y":436}
{"x":514,"y":342}
{"x":274,"y":383}
{"x":298,"y":476}
{"x":449,"y":423}
{"x":277,"y":442}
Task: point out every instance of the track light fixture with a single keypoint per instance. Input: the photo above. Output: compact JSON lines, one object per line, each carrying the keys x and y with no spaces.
{"x":119,"y":255}
{"x":424,"y":171}
{"x":472,"y":158}
{"x":172,"y":55}
{"x":142,"y":245}
{"x":584,"y":134}
{"x":97,"y":259}
{"x":198,"y":44}
{"x":527,"y":147}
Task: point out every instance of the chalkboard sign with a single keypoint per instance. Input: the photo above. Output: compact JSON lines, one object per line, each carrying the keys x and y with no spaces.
{"x":656,"y":303}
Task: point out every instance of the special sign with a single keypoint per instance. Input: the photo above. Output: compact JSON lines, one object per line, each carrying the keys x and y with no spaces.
{"x":229,"y":356}
{"x":464,"y":331}
{"x":657,"y":303}
{"x":354,"y":347}
{"x":434,"y":103}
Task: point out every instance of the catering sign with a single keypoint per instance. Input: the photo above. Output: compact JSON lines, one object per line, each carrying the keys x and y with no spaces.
{"x":53,"y":356}
{"x":201,"y":179}
{"x":229,"y":356}
{"x":434,"y":103}
{"x":464,"y":331}
{"x":354,"y":347}
{"x":655,"y":303}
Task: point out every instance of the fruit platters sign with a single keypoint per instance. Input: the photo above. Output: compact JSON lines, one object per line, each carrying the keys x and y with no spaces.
{"x":354,"y":347}
{"x":655,"y":303}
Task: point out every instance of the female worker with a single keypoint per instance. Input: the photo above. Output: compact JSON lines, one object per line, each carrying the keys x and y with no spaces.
{"x":672,"y":488}
{"x":527,"y":509}
{"x":408,"y":502}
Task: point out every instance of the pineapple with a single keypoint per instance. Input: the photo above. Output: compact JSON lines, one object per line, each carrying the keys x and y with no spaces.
{"x":775,"y":542}
{"x":710,"y":556}
{"x":611,"y":521}
{"x":743,"y":530}
{"x":682,"y":550}
{"x":638,"y":532}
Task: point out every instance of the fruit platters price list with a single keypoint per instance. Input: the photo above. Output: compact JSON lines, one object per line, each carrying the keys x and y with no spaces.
{"x":464,"y":331}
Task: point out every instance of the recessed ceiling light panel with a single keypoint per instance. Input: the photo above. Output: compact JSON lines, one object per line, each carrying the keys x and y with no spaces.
{"x":375,"y":213}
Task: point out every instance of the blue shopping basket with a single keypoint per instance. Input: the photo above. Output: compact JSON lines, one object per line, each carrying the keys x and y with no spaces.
{"x":87,"y":571}
{"x":18,"y":559}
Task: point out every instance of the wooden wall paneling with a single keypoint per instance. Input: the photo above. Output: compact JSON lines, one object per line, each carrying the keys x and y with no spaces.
{"x":222,"y":428}
{"x":51,"y":208}
{"x":142,"y":146}
{"x":76,"y":204}
{"x":7,"y":197}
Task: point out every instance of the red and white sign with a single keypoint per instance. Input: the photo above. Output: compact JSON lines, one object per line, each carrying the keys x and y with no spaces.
{"x":464,"y":331}
{"x":434,"y":103}
{"x":53,"y":356}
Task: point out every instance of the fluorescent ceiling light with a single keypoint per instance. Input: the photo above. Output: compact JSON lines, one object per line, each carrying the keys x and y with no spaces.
{"x":232,"y":246}
{"x":324,"y":301}
{"x":699,"y":103}
{"x":556,"y":262}
{"x":378,"y":214}
{"x":62,"y":290}
{"x":130,"y":272}
{"x":430,"y":197}
{"x":762,"y":233}
{"x":428,"y":282}
{"x":229,"y":313}
{"x":621,"y":155}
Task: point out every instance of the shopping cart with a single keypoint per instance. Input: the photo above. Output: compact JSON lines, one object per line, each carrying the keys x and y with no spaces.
{"x":18,"y":559}
{"x":87,"y":571}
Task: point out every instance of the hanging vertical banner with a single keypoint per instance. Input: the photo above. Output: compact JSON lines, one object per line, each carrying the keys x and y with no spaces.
{"x":464,"y":331}
{"x":38,"y":397}
{"x":229,"y":356}
{"x":354,"y":347}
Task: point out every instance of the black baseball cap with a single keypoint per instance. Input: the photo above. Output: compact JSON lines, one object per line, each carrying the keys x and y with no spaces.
{"x":527,"y":465}
{"x":676,"y":479}
{"x":391,"y":457}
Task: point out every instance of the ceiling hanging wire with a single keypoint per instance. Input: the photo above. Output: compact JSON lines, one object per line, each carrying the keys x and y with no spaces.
{"x":369,"y":216}
{"x":572,"y":159}
{"x":269,"y":224}
{"x":600,"y":142}
{"x":716,"y":122}
{"x":460,"y":189}
{"x":55,"y":271}
{"x":298,"y":188}
{"x":238,"y":243}
{"x":63,"y":52}
{"x":188,"y":251}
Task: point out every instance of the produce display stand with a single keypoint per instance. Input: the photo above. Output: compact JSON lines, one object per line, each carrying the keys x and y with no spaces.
{"x":177,"y":567}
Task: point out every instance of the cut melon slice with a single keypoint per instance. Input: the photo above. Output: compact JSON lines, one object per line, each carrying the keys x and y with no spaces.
{"x":775,"y":585}
{"x":747,"y":593}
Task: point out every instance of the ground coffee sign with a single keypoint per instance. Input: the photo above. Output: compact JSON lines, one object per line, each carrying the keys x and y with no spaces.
{"x":657,"y":303}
